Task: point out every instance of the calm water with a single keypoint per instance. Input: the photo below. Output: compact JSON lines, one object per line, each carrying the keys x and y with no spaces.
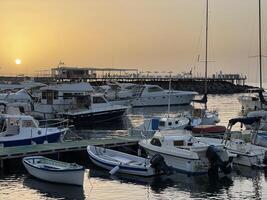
{"x":98,"y":184}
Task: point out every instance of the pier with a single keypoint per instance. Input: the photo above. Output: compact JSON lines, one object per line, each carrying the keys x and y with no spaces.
{"x":67,"y":146}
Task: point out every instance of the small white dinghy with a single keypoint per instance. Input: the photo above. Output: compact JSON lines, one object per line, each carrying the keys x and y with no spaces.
{"x":54,"y":171}
{"x":116,"y":161}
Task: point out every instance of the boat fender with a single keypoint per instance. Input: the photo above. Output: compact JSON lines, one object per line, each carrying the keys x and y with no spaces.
{"x":114,"y":170}
{"x":157,"y":162}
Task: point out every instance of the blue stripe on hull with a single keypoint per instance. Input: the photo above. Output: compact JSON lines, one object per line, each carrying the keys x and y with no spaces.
{"x":39,"y":140}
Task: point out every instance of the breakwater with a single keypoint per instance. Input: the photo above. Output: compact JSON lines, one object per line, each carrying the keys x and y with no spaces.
{"x":214,"y":86}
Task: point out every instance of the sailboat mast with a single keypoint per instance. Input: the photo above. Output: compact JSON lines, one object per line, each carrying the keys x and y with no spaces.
{"x":206,"y":49}
{"x":260,"y":48}
{"x":169,"y":97}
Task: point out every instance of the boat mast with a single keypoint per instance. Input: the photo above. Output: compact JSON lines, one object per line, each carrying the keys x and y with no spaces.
{"x":206,"y":50}
{"x":169,"y":97}
{"x":260,"y":47}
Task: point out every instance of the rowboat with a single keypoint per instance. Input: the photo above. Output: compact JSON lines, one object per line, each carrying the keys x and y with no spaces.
{"x":116,"y":161}
{"x":54,"y":171}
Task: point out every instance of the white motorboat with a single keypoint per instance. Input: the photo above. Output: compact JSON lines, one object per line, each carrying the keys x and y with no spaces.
{"x":151,"y":125}
{"x":98,"y":110}
{"x":60,"y":98}
{"x":202,"y":116}
{"x":247,"y":154}
{"x":54,"y":171}
{"x":20,"y":99}
{"x":251,"y":101}
{"x":146,"y":95}
{"x":186,"y":154}
{"x":116,"y":161}
{"x":27,"y":85}
{"x":78,"y":103}
{"x":154,"y":95}
{"x":120,"y":91}
{"x":19,"y":130}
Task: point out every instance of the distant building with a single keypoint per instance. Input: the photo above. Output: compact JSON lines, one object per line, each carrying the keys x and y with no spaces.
{"x":64,"y":72}
{"x":221,"y":75}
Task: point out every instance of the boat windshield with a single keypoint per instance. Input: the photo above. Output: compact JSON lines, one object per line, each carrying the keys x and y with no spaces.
{"x":28,"y":124}
{"x":155,"y":142}
{"x":162,"y":123}
{"x":155,"y":89}
{"x":99,"y":100}
{"x":178,"y":143}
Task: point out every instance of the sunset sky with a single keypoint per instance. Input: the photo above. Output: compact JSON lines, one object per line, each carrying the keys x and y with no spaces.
{"x":150,"y":35}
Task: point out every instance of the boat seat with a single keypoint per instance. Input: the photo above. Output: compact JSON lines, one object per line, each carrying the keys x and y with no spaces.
{"x":122,"y":160}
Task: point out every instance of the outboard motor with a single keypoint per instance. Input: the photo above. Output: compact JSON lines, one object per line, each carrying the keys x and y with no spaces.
{"x":265,"y":158}
{"x":217,"y":163}
{"x":157,"y":162}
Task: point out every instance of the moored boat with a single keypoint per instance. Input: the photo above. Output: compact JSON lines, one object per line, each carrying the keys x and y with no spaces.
{"x":186,"y":154}
{"x":116,"y":161}
{"x":151,"y":125}
{"x":25,"y":130}
{"x":246,"y":154}
{"x":54,"y":171}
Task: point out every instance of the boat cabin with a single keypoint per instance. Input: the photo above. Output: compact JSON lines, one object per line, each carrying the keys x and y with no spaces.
{"x":172,"y":139}
{"x":171,"y":122}
{"x":12,"y":124}
{"x":151,"y":89}
{"x":64,"y":93}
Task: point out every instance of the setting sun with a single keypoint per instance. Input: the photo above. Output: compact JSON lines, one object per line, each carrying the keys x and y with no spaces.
{"x":18,"y":61}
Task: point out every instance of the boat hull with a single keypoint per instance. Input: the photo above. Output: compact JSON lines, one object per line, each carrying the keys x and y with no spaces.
{"x":51,"y":138}
{"x":247,"y":160}
{"x":181,"y":164}
{"x":138,"y":170}
{"x":123,"y":169}
{"x":74,"y":177}
{"x":176,"y":99}
{"x":246,"y":155}
{"x":97,"y":117}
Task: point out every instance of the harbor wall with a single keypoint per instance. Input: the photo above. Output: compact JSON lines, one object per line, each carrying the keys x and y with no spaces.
{"x":214,"y":87}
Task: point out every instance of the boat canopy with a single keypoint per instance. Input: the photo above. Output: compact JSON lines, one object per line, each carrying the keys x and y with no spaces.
{"x":244,"y":120}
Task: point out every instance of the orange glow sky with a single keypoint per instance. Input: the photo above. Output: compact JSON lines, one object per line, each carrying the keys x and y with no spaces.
{"x":148,"y":34}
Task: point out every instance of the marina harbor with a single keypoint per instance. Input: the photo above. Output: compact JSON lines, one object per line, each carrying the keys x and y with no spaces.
{"x":152,"y":100}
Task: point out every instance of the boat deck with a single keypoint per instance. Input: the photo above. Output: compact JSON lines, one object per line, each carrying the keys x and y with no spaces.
{"x":67,"y":146}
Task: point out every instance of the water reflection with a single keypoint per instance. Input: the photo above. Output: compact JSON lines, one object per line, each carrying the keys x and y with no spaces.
{"x":54,"y":190}
{"x":196,"y":186}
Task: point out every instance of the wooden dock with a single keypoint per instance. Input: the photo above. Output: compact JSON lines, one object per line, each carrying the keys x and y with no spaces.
{"x":68,"y":146}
